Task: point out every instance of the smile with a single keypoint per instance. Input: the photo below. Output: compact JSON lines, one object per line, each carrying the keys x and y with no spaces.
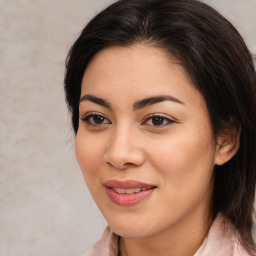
{"x":127,"y":193}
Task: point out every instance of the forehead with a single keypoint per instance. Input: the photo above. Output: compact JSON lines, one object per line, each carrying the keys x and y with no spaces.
{"x":138,"y":71}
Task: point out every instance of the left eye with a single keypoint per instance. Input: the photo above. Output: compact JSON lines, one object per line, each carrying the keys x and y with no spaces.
{"x":95,"y":119}
{"x":158,"y":121}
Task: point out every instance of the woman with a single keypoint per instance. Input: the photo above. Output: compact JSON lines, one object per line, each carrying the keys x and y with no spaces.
{"x":163,"y":101}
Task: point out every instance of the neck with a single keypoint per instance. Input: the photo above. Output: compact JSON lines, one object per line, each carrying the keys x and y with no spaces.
{"x":182,"y":239}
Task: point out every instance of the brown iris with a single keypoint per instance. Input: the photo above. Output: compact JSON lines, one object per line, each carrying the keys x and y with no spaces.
{"x":157,"y":120}
{"x":97,"y":119}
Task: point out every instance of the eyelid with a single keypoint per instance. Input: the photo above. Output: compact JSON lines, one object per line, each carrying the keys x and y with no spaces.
{"x":92,"y":114}
{"x":169,"y":119}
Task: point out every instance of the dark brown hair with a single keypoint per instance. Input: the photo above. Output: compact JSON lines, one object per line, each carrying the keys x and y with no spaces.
{"x":220,"y":66}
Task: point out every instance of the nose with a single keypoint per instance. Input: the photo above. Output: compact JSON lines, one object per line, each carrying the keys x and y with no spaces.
{"x":124,"y":150}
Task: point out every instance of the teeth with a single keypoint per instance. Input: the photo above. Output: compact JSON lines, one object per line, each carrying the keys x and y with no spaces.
{"x":120,"y":190}
{"x":128,"y":190}
{"x":136,"y":190}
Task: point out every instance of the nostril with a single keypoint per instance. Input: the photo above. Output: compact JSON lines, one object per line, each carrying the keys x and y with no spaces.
{"x":120,"y":166}
{"x":128,"y":164}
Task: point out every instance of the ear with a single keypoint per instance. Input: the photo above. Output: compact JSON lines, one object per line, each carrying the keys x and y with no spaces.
{"x":227,"y":143}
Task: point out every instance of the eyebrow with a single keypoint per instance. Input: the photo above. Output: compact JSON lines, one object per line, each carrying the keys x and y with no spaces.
{"x":137,"y":105}
{"x":96,"y":100}
{"x":153,"y":100}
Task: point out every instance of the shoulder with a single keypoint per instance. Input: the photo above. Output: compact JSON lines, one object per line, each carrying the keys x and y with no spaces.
{"x":222,"y":240}
{"x":238,"y":249}
{"x":107,"y":245}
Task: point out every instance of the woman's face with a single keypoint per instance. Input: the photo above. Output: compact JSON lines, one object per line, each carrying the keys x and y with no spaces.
{"x":144,"y":143}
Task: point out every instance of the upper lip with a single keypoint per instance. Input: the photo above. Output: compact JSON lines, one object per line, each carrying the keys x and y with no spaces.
{"x":126,"y":184}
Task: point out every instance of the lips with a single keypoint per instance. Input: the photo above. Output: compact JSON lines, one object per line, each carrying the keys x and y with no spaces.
{"x":127,"y":193}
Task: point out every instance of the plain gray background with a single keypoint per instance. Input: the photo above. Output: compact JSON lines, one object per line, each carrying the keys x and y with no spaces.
{"x":45,"y":208}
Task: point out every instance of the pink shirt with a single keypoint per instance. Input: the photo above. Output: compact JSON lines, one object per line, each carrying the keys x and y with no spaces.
{"x":222,"y":240}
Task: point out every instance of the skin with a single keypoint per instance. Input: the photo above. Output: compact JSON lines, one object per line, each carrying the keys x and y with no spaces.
{"x":177,"y":155}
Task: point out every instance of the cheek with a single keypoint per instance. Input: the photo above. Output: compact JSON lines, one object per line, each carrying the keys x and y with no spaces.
{"x":89,"y":151}
{"x":186,"y":176}
{"x":184,"y":161}
{"x":88,"y":154}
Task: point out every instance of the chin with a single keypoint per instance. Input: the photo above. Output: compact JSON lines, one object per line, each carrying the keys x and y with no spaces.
{"x":129,"y":228}
{"x":129,"y":232}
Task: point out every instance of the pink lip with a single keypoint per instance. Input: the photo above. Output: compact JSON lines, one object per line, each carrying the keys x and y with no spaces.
{"x":127,"y":199}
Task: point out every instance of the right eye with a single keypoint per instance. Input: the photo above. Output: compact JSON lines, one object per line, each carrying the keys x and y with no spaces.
{"x":95,"y":119}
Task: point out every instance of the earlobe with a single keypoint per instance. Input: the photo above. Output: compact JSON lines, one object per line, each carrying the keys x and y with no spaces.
{"x":227,"y":145}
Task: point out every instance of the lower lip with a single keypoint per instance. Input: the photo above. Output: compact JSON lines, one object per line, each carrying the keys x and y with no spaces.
{"x":126,"y":199}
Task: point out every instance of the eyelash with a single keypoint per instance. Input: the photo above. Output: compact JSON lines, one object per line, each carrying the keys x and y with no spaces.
{"x":164,"y":121}
{"x":87,"y":118}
